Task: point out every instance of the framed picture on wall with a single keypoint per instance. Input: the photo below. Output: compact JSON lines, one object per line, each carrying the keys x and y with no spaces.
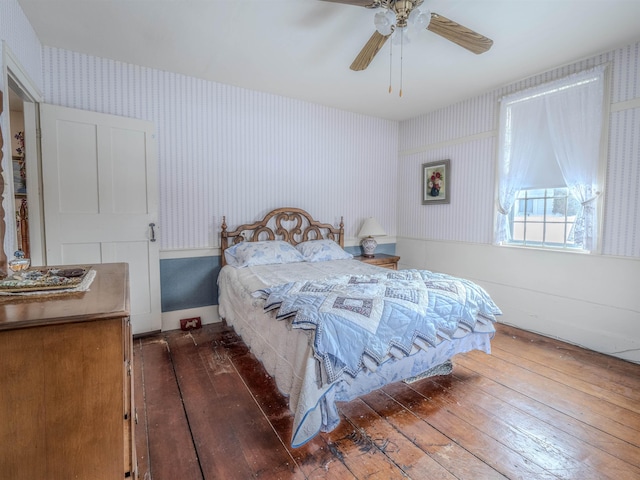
{"x":435,"y":182}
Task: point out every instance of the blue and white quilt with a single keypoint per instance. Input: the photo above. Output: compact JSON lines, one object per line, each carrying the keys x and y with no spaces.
{"x":358,"y":321}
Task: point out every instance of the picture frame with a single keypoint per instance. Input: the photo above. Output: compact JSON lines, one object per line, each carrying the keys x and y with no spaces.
{"x":436,"y":179}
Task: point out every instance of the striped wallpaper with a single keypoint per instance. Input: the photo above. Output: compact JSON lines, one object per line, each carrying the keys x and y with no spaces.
{"x":471,"y":193}
{"x":21,"y":39}
{"x":622,"y":208}
{"x":466,"y":133}
{"x":230,"y":151}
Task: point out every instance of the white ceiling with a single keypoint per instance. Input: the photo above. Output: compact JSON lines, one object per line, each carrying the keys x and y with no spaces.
{"x":303,"y":48}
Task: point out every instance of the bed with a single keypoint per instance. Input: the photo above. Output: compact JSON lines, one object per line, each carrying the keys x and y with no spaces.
{"x":330,"y":328}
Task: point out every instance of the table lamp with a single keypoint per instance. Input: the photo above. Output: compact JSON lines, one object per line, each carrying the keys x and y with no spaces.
{"x":370,"y":228}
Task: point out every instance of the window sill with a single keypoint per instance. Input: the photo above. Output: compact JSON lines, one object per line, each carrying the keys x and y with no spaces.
{"x":548,"y":249}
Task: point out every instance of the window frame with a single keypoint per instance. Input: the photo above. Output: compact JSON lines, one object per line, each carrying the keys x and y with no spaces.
{"x":600,"y":178}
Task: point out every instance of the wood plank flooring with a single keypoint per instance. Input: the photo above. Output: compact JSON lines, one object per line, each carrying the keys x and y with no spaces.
{"x":536,"y":408}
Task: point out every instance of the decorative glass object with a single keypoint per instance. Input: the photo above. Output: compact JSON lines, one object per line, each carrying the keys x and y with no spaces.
{"x":19,"y":263}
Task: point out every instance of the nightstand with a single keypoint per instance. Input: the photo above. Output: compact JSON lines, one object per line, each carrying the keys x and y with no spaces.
{"x":381,"y":260}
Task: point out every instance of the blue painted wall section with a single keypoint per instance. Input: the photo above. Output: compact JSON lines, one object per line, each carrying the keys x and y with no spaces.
{"x":388,"y":248}
{"x":189,"y":282}
{"x":193,"y":282}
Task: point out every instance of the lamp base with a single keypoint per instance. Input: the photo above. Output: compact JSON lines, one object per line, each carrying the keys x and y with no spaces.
{"x":369,"y":247}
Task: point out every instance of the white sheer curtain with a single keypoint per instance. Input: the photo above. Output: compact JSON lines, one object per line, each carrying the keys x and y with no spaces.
{"x":563,"y":117}
{"x":575,"y":124}
{"x":521,"y":125}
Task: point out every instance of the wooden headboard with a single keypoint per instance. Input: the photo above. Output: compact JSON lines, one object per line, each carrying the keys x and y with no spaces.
{"x":292,"y":225}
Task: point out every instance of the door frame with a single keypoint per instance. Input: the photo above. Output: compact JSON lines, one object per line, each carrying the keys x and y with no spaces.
{"x":16,"y":78}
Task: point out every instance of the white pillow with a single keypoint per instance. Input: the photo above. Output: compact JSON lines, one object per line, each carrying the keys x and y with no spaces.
{"x":245,"y":254}
{"x":322,"y":250}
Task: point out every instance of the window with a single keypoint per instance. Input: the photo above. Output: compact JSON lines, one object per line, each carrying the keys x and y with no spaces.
{"x":544,"y":218}
{"x":549,"y":164}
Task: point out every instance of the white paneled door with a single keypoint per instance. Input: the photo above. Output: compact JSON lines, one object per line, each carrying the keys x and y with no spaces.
{"x":100,"y":198}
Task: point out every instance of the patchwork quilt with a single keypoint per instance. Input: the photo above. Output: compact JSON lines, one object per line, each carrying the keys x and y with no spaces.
{"x":359,"y":321}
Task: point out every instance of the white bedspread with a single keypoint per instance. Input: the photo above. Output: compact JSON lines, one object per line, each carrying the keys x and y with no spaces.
{"x":287,"y":354}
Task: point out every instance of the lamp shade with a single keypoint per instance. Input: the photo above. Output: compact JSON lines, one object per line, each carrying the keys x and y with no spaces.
{"x":371,"y":228}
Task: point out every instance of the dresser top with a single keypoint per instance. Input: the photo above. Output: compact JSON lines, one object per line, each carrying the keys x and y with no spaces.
{"x":107,"y":297}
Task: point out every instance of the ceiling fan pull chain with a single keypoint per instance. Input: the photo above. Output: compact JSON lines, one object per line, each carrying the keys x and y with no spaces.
{"x":390,"y":63}
{"x":401,"y":57}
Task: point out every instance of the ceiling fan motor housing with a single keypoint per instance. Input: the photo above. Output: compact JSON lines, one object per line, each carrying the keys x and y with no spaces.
{"x":402,"y":9}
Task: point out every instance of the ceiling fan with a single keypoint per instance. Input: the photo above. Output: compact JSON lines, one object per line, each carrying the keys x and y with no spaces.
{"x":402,"y":11}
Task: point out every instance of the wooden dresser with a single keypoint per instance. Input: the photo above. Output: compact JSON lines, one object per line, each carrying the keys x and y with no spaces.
{"x":66,"y":397}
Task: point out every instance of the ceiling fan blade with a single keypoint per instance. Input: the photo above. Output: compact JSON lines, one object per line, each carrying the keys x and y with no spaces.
{"x":358,"y":3}
{"x":369,"y":51}
{"x":456,"y":33}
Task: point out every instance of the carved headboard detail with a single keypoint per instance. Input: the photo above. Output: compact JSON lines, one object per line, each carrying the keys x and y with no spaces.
{"x":292,"y":225}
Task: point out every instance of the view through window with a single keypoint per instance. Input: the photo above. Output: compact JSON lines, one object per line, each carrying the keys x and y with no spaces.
{"x":544,"y":217}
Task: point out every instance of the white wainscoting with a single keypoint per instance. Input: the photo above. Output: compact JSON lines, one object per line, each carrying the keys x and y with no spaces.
{"x":588,"y":300}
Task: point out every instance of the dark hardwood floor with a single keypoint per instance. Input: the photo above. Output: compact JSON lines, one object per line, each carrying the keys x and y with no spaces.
{"x":536,"y":408}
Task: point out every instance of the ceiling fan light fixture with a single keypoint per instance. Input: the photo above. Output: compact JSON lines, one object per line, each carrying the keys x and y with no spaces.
{"x":419,"y":18}
{"x":385,"y":22}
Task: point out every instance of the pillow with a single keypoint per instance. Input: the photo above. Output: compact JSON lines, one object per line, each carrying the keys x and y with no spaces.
{"x":322,"y":250}
{"x":245,"y":254}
